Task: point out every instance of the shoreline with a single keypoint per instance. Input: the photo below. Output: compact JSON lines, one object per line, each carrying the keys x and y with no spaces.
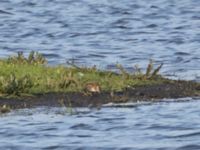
{"x":150,"y":93}
{"x":27,"y":82}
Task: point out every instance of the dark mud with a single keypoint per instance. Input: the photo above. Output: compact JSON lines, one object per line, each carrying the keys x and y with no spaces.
{"x":176,"y":89}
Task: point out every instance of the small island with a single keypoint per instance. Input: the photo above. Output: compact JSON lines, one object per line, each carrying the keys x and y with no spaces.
{"x":27,"y":82}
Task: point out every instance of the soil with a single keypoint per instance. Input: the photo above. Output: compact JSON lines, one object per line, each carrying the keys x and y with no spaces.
{"x":156,"y":92}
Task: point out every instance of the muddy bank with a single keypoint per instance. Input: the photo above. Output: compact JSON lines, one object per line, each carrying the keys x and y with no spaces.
{"x":155,"y":92}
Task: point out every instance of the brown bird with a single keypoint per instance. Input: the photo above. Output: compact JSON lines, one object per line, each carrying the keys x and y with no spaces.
{"x":4,"y":109}
{"x":92,"y":87}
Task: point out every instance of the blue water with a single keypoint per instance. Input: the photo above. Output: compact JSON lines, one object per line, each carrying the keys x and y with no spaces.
{"x":106,"y":32}
{"x":102,"y":33}
{"x":147,"y":126}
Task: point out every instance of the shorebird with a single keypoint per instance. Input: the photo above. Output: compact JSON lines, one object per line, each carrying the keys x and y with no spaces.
{"x":92,"y":87}
{"x":4,"y":109}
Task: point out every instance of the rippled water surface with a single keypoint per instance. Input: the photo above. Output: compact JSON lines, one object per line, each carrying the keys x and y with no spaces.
{"x":104,"y":32}
{"x":151,"y":126}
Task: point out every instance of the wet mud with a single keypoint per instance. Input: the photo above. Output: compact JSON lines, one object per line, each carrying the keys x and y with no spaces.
{"x":157,"y":92}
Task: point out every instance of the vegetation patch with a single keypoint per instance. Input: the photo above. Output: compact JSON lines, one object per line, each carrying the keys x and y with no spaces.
{"x":27,"y":81}
{"x":21,"y":75}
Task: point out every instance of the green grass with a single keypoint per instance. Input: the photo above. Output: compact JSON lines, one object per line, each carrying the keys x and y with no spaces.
{"x":20,"y":75}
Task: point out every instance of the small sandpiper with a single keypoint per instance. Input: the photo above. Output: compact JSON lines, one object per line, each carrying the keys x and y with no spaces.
{"x":4,"y":109}
{"x":92,"y":87}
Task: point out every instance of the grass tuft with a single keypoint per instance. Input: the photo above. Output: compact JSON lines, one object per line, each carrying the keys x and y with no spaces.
{"x":34,"y":58}
{"x":21,"y":75}
{"x":15,"y":86}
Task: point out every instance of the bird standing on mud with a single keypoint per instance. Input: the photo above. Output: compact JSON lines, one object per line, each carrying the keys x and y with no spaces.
{"x":92,"y":87}
{"x":4,"y":109}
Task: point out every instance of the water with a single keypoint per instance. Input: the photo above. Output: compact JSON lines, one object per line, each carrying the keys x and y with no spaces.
{"x":106,"y":32}
{"x":103,"y":33}
{"x":150,"y":126}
